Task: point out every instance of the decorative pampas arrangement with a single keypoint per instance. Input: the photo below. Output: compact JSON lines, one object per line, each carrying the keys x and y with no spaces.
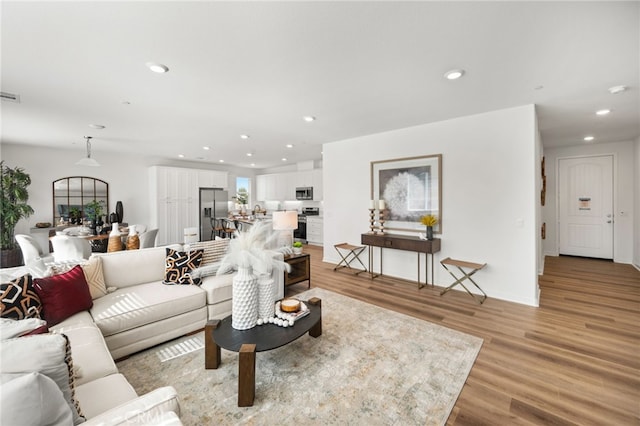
{"x":252,"y":255}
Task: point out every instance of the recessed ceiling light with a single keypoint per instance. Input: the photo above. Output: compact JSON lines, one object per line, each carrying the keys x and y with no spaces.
{"x":253,"y":164}
{"x":617,"y":89}
{"x":603,"y":112}
{"x":453,"y":74}
{"x":220,"y":161}
{"x":309,"y":118}
{"x":249,"y":154}
{"x":181,"y":155}
{"x":589,"y":138}
{"x":206,"y":148}
{"x":96,"y":126}
{"x":289,"y":145}
{"x":284,"y":159}
{"x":244,"y":136}
{"x":159,"y":68}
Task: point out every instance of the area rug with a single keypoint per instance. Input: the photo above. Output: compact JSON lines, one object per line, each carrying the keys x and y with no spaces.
{"x":369,"y":366}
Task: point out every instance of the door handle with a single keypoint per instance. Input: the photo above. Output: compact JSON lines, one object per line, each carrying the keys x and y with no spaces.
{"x":609,"y":221}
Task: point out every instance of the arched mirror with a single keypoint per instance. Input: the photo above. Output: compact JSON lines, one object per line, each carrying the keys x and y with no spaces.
{"x":72,"y":194}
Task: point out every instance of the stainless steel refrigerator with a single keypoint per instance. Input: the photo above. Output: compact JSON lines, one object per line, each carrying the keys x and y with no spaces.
{"x":213,"y":205}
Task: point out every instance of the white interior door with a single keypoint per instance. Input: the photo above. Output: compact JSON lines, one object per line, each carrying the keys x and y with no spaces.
{"x":585,"y":200}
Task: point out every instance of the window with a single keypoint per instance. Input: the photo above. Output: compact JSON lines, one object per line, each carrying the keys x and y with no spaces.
{"x":243,"y":190}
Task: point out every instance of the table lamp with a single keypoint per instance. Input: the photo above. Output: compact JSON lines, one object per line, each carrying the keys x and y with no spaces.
{"x":285,"y":221}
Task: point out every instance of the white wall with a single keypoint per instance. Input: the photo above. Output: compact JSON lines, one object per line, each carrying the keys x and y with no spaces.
{"x":126,"y":175}
{"x":636,"y":233}
{"x":490,"y":196}
{"x":623,"y":194}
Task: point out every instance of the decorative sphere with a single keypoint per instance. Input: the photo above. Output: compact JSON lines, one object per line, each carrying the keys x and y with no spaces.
{"x":259,"y":322}
{"x":290,"y":323}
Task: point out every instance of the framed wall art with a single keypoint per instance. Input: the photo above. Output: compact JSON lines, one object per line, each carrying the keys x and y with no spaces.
{"x":411,"y":188}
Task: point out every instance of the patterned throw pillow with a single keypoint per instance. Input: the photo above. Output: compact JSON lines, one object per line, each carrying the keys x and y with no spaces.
{"x":19,"y":300}
{"x":214,"y":250}
{"x":179,"y":265}
{"x":95,"y":278}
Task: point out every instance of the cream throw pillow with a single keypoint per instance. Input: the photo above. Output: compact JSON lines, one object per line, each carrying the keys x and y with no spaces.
{"x":95,"y":278}
{"x":214,"y":251}
{"x":48,"y":354}
{"x":32,"y":399}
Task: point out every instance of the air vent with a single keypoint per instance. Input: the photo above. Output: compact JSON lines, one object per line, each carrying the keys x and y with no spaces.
{"x":10,"y":97}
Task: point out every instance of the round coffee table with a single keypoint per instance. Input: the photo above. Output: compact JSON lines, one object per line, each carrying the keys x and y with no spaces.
{"x":220,"y":334}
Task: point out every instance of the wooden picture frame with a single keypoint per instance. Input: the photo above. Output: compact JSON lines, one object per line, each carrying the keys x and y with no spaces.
{"x":411,"y":188}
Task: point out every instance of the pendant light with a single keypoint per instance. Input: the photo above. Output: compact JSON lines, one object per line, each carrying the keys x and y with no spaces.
{"x":88,"y":161}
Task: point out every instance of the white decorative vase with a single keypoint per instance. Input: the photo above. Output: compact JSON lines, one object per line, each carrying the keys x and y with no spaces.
{"x":115,"y":230}
{"x":244,"y":305}
{"x":266,"y":300}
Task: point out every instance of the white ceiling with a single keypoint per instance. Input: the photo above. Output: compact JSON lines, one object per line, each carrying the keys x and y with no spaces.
{"x":258,"y":67}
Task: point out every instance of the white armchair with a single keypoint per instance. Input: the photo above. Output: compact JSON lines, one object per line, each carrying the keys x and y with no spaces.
{"x":148,"y":239}
{"x":66,"y":248}
{"x":31,"y":250}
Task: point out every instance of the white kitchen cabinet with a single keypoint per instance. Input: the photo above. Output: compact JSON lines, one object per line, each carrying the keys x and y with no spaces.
{"x":304,"y":178}
{"x":174,"y":194}
{"x":271,"y":187}
{"x":317,"y":185}
{"x":315,"y":229}
{"x":282,"y":186}
{"x":213,"y":179}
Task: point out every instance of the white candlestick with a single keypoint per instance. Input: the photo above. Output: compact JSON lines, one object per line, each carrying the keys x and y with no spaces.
{"x":372,"y":205}
{"x":381,"y":205}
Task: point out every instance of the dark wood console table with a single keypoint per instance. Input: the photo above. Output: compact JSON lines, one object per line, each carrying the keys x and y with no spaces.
{"x":402,"y":242}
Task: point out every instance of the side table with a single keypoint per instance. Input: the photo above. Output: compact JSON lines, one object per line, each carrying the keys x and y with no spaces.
{"x":300,"y":269}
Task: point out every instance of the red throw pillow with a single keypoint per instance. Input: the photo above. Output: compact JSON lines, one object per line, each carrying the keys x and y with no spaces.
{"x":63,"y":295}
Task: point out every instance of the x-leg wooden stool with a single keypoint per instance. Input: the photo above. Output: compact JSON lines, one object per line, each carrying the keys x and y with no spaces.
{"x":474,"y":267}
{"x":352,"y":254}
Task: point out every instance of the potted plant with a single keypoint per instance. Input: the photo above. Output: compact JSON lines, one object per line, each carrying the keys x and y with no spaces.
{"x":297,"y":247}
{"x":429,"y":221}
{"x":242,"y":198}
{"x":93,"y":211}
{"x":74,"y":215}
{"x":13,"y":207}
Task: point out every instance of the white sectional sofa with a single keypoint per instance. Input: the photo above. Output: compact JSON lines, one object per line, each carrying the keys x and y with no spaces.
{"x":88,"y":380}
{"x":142,"y":312}
{"x":136,"y":311}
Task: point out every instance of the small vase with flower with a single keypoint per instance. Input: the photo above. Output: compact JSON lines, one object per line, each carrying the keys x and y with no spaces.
{"x":429,"y":221}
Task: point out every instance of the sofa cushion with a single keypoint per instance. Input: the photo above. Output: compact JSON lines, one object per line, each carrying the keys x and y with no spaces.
{"x":214,"y":250}
{"x":146,"y":409}
{"x":95,"y":278}
{"x":179,"y":265}
{"x":48,"y":354}
{"x":135,"y":306}
{"x":63,"y":295}
{"x":19,"y":300}
{"x":124,"y":268}
{"x":32,"y":399}
{"x":101,"y":395}
{"x":218,"y":288}
{"x":91,"y":357}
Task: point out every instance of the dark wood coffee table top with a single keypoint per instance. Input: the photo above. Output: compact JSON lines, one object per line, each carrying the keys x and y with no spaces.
{"x":267,"y":336}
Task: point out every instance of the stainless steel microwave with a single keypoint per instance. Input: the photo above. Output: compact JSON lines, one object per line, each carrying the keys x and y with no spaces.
{"x":304,"y":193}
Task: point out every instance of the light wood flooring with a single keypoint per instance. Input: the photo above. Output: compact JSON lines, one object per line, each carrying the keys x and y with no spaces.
{"x":575,"y":360}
